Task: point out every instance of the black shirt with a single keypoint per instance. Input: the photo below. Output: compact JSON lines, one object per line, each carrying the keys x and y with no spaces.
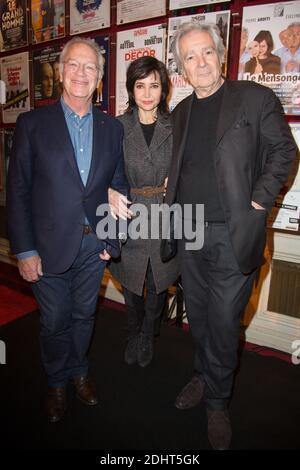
{"x":148,"y":131}
{"x":198,"y":181}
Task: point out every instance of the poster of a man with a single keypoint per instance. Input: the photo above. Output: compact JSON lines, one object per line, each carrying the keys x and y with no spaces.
{"x":47,"y":80}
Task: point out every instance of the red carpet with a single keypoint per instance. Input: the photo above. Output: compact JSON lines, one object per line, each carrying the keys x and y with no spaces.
{"x":16,"y":300}
{"x":14,"y":304}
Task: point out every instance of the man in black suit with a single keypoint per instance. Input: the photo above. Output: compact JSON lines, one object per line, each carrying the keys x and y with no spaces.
{"x":64,"y":159}
{"x":232,"y":151}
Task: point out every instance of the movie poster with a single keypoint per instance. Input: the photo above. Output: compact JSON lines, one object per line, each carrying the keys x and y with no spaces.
{"x":270,"y":50}
{"x":101,"y":95}
{"x":13,"y":28}
{"x":136,"y":10}
{"x":132,"y":44}
{"x":180,"y":88}
{"x":88,"y":15}
{"x":47,"y":87}
{"x":7,"y":140}
{"x":286,"y":211}
{"x":47,"y":19}
{"x":15,"y":74}
{"x":177,"y":4}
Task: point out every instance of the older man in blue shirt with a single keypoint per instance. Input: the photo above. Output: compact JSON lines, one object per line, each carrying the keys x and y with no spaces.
{"x":64,"y":159}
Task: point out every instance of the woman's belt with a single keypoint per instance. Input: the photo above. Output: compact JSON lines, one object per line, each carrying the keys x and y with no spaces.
{"x":148,"y":191}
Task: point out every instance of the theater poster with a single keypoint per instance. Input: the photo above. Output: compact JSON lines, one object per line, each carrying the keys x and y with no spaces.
{"x":88,"y":15}
{"x":136,"y":10}
{"x":47,"y":87}
{"x":13,"y":26}
{"x":180,"y":88}
{"x":101,"y":94}
{"x":15,"y":75}
{"x":47,"y":19}
{"x":177,"y":4}
{"x":7,"y":140}
{"x":270,"y":50}
{"x":286,"y":211}
{"x":132,"y":44}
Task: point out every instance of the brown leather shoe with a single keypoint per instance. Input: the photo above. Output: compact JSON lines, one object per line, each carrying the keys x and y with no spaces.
{"x":55,"y":403}
{"x":219,"y":429}
{"x":85,"y":391}
{"x":191,"y":394}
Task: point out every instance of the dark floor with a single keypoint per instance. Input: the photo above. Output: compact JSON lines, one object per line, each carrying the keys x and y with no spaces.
{"x":136,"y":410}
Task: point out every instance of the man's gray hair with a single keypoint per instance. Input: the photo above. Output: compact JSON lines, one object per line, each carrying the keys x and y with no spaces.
{"x":186,"y":28}
{"x":292,"y":25}
{"x":77,"y":40}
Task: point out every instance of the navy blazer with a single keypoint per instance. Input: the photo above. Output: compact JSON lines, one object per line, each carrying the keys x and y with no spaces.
{"x":46,"y":199}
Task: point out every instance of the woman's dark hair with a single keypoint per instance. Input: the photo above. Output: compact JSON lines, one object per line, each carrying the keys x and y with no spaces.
{"x":265,"y":36}
{"x":141,"y":68}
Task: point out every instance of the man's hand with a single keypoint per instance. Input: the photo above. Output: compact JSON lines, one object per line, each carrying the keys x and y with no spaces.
{"x":30,"y":268}
{"x":104,"y":255}
{"x":118,"y":205}
{"x":257,"y":206}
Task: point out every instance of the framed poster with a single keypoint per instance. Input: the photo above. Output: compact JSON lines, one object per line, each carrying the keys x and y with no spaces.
{"x":180,"y":88}
{"x":177,"y":4}
{"x":13,"y":26}
{"x":89,"y":15}
{"x":286,"y":211}
{"x":270,"y":50}
{"x":47,"y":88}
{"x":15,"y":74}
{"x":132,"y":44}
{"x":101,"y":95}
{"x":47,"y":19}
{"x":136,"y":10}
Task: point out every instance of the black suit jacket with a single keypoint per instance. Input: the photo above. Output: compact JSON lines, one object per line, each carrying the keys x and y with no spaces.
{"x":253,"y":156}
{"x":47,"y":201}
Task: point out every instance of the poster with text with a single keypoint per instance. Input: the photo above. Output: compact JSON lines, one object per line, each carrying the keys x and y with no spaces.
{"x":177,"y":4}
{"x":47,"y":87}
{"x":101,"y":95}
{"x":180,"y":88}
{"x":7,"y":140}
{"x":15,"y":74}
{"x":286,"y":211}
{"x":132,"y":44}
{"x":47,"y":19}
{"x":88,"y":15}
{"x":13,"y":27}
{"x":270,"y":50}
{"x":136,"y":10}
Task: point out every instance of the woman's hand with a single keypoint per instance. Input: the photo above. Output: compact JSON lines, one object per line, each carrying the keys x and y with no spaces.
{"x":118,"y":204}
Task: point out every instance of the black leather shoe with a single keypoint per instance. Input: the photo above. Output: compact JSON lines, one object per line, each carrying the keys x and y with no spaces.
{"x":219,"y":429}
{"x":191,"y":394}
{"x":130,"y":355}
{"x":85,"y":391}
{"x":55,"y":403}
{"x":145,"y":350}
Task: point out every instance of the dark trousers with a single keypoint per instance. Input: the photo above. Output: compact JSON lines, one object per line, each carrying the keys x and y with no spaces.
{"x":67,"y":304}
{"x":144,"y":312}
{"x":215,"y":293}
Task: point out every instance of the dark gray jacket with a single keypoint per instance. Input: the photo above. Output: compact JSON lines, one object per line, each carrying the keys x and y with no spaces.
{"x":145,"y":166}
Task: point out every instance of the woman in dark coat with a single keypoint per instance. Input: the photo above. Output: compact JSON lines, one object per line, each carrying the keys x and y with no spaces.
{"x":147,"y":154}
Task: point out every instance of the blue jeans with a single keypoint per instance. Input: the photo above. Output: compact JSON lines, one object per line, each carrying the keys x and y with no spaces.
{"x":67,"y":304}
